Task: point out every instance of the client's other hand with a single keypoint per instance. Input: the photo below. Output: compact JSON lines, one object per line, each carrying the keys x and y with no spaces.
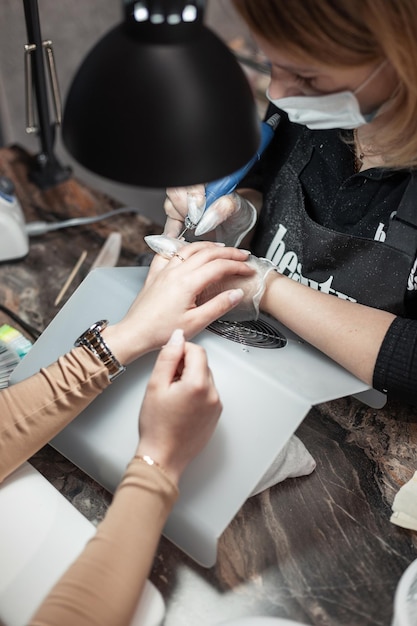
{"x":181,"y":406}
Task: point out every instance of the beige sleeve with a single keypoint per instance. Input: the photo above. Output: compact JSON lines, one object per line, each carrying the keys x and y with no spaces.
{"x":36,"y":409}
{"x":104,"y":584}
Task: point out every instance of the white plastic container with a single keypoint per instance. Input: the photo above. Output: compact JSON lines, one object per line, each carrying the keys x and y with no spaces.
{"x":405,"y":600}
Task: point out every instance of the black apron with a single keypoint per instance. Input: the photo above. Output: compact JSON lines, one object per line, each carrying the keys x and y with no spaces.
{"x":370,"y":272}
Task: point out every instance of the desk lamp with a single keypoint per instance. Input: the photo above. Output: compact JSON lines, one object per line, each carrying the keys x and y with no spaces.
{"x":160,"y":101}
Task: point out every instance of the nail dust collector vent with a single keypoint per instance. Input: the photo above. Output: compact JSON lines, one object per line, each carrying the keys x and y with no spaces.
{"x":255,"y":334}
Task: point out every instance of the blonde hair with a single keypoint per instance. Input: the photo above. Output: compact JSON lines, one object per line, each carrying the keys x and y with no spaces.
{"x":348,"y":33}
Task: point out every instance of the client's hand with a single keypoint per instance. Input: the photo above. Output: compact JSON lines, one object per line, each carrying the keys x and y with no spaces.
{"x":168,"y":300}
{"x":181,"y":406}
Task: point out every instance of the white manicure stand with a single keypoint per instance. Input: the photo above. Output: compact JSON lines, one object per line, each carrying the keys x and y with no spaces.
{"x":41,"y":534}
{"x":266,"y":393}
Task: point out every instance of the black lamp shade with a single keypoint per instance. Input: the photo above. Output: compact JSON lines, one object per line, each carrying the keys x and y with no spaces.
{"x":160,"y":113}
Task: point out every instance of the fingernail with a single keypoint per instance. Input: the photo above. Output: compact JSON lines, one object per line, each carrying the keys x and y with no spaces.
{"x":163,"y":245}
{"x":235,"y":295}
{"x":177,"y":338}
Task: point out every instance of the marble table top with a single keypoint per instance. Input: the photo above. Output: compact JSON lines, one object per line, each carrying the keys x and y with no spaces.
{"x":320,"y":549}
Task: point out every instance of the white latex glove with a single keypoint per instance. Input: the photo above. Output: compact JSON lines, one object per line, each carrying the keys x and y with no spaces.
{"x":231,"y":216}
{"x":179,"y":203}
{"x":253,"y":289}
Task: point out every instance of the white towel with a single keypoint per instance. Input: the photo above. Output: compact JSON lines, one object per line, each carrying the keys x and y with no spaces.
{"x":293,"y":460}
{"x":405,"y":505}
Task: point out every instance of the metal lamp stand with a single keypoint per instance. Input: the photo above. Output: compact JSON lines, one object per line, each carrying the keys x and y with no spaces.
{"x":46,"y":171}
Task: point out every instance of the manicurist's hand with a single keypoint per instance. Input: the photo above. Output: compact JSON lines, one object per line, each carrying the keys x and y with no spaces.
{"x":177,"y":205}
{"x":181,"y":406}
{"x":231,"y":216}
{"x":169,"y":298}
{"x":253,"y":288}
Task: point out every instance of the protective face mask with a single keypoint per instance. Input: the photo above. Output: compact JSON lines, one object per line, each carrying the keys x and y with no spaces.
{"x":334,"y":110}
